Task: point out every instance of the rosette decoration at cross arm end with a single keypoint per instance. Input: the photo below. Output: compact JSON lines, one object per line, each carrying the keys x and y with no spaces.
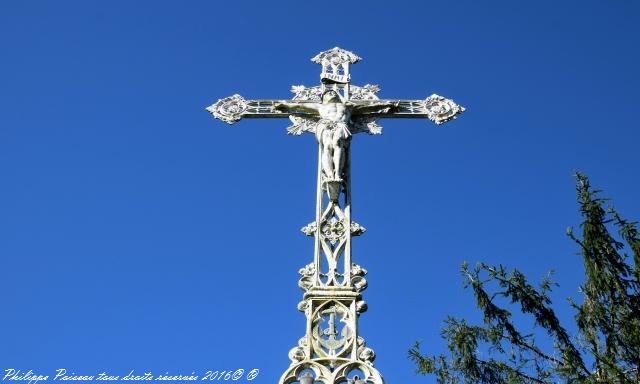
{"x":229,"y":109}
{"x":440,"y":110}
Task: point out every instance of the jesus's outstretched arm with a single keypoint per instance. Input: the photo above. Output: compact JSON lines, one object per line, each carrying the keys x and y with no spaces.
{"x":309,"y":108}
{"x":375,"y":107}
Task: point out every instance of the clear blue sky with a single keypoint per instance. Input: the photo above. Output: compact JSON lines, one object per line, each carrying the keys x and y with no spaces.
{"x":136,"y":232}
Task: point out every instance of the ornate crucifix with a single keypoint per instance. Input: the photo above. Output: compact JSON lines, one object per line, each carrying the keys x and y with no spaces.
{"x":332,"y":351}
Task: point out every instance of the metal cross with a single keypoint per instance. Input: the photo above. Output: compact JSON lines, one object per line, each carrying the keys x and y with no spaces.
{"x":333,"y":112}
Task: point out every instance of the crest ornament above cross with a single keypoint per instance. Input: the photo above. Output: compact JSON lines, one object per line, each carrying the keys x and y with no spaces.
{"x":333,"y":112}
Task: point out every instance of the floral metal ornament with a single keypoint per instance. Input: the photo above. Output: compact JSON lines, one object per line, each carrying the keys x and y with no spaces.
{"x":440,"y":110}
{"x":336,"y":56}
{"x":229,"y":109}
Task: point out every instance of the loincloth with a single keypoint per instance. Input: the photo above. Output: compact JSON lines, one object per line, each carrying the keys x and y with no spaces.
{"x":342,"y":129}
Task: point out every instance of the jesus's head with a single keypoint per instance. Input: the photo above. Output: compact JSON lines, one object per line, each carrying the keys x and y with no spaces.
{"x":331,"y":96}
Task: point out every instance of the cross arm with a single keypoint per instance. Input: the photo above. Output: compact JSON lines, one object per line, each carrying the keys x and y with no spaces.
{"x":435,"y":108}
{"x":233,"y":108}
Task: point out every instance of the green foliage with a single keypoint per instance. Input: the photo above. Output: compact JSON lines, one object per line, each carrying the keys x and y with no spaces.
{"x":606,"y":348}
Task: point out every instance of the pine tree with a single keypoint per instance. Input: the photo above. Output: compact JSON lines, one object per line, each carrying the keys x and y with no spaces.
{"x":606,"y":348}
